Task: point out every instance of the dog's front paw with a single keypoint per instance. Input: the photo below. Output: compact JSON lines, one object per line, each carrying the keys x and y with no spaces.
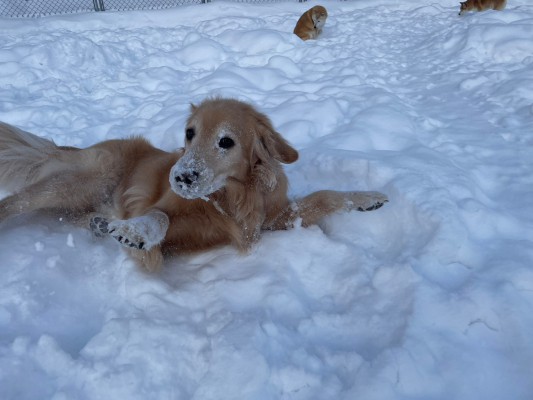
{"x":126,"y":234}
{"x":142,"y":232}
{"x":366,"y":201}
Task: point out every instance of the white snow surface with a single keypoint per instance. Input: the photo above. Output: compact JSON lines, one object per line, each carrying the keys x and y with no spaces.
{"x":430,"y":297}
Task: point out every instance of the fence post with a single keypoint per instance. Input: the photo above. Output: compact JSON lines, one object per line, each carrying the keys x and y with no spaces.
{"x":99,"y":5}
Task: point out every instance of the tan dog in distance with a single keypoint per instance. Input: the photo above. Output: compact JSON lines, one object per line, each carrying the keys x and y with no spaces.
{"x":310,"y":24}
{"x":482,"y":5}
{"x":223,"y":188}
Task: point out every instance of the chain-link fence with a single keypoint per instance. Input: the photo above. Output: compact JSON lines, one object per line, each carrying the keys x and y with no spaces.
{"x":39,"y":8}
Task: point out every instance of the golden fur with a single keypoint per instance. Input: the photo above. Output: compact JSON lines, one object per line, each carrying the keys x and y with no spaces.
{"x":224,"y":187}
{"x":482,"y":5}
{"x":310,"y":24}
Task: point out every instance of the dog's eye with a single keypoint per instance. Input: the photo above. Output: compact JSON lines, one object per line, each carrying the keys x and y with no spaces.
{"x":226,"y":143}
{"x":189,"y":133}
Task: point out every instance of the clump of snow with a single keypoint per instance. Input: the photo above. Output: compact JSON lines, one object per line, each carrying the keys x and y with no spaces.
{"x":429,"y":297}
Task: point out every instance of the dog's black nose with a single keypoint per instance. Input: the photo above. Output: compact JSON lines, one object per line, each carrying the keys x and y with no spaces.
{"x":187,"y":177}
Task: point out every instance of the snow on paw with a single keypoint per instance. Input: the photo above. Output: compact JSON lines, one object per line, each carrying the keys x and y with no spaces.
{"x":126,"y":235}
{"x":365,"y":201}
{"x":142,"y":232}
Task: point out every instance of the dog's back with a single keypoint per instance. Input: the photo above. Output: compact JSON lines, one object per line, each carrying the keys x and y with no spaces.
{"x":84,"y":179}
{"x":482,"y":5}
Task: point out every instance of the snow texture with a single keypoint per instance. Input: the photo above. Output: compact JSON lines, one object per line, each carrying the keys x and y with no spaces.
{"x":429,"y":297}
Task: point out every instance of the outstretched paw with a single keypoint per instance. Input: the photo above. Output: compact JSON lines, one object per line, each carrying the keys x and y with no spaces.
{"x":367,"y":201}
{"x":126,"y":235}
{"x":143,"y":232}
{"x":377,"y":204}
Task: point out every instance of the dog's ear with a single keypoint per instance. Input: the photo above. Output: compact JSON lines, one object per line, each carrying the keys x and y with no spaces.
{"x":272,"y":143}
{"x":193,"y":108}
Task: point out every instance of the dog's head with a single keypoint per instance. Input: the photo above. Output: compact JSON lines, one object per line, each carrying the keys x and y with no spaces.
{"x":319,"y":16}
{"x":226,"y":140}
{"x":463,"y":7}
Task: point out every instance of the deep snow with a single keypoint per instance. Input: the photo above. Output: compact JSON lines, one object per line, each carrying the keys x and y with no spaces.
{"x":430,"y":297}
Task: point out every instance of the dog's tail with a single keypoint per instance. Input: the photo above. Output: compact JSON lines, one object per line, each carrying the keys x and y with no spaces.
{"x":22,"y":157}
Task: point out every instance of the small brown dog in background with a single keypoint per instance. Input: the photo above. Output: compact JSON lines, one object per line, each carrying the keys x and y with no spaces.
{"x":310,"y":24}
{"x":482,"y":5}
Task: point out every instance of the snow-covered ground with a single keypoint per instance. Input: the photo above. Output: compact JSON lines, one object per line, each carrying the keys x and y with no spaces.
{"x":430,"y":297}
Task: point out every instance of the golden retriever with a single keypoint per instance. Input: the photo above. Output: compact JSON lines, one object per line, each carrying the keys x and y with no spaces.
{"x":224,"y":187}
{"x":311,"y":22}
{"x":481,"y":5}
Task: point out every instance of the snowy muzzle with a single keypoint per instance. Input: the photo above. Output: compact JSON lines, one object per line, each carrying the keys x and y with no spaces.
{"x":192,"y":179}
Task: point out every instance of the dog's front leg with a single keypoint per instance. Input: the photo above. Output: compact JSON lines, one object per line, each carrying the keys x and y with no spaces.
{"x":312,"y":208}
{"x":143,"y":232}
{"x":151,"y":260}
{"x":315,"y":206}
